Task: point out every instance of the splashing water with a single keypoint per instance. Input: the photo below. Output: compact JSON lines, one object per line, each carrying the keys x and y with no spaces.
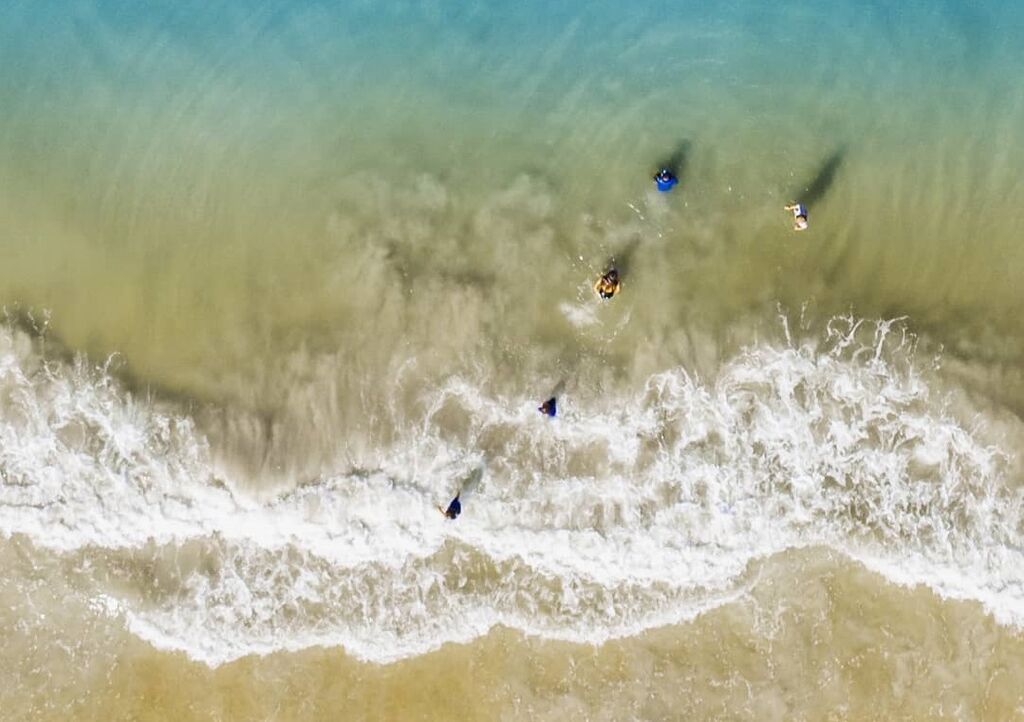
{"x":624,"y":513}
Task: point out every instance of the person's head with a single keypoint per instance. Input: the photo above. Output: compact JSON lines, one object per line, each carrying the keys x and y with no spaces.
{"x":612,"y":276}
{"x":664,"y":174}
{"x":800,"y":223}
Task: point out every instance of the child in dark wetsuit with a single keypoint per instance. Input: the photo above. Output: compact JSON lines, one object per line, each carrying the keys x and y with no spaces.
{"x":454,"y":508}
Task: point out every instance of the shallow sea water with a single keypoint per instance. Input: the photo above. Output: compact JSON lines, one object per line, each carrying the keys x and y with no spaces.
{"x":279,"y":278}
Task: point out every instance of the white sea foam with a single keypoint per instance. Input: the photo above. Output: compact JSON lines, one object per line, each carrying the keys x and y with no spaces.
{"x":626,"y":511}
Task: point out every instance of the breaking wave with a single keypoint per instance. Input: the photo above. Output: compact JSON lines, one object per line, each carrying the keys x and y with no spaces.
{"x":623,"y":513}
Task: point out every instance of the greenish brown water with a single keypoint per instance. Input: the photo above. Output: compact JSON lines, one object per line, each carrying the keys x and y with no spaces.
{"x":817,"y":638}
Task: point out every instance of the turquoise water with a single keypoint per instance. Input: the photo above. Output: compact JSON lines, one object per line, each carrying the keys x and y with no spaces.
{"x":204,"y":134}
{"x":281,"y":277}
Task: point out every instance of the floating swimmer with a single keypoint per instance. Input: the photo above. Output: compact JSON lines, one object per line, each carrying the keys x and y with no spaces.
{"x":454,"y":508}
{"x":608,"y":284}
{"x":665,"y":180}
{"x":799,"y":211}
{"x":549,"y":407}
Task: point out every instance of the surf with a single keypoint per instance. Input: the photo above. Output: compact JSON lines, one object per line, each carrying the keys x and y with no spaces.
{"x":629,"y":511}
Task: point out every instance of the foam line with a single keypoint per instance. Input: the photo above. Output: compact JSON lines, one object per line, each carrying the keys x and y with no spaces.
{"x":627,"y":512}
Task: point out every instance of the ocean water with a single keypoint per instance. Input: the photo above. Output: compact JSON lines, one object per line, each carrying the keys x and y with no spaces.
{"x":280,"y":278}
